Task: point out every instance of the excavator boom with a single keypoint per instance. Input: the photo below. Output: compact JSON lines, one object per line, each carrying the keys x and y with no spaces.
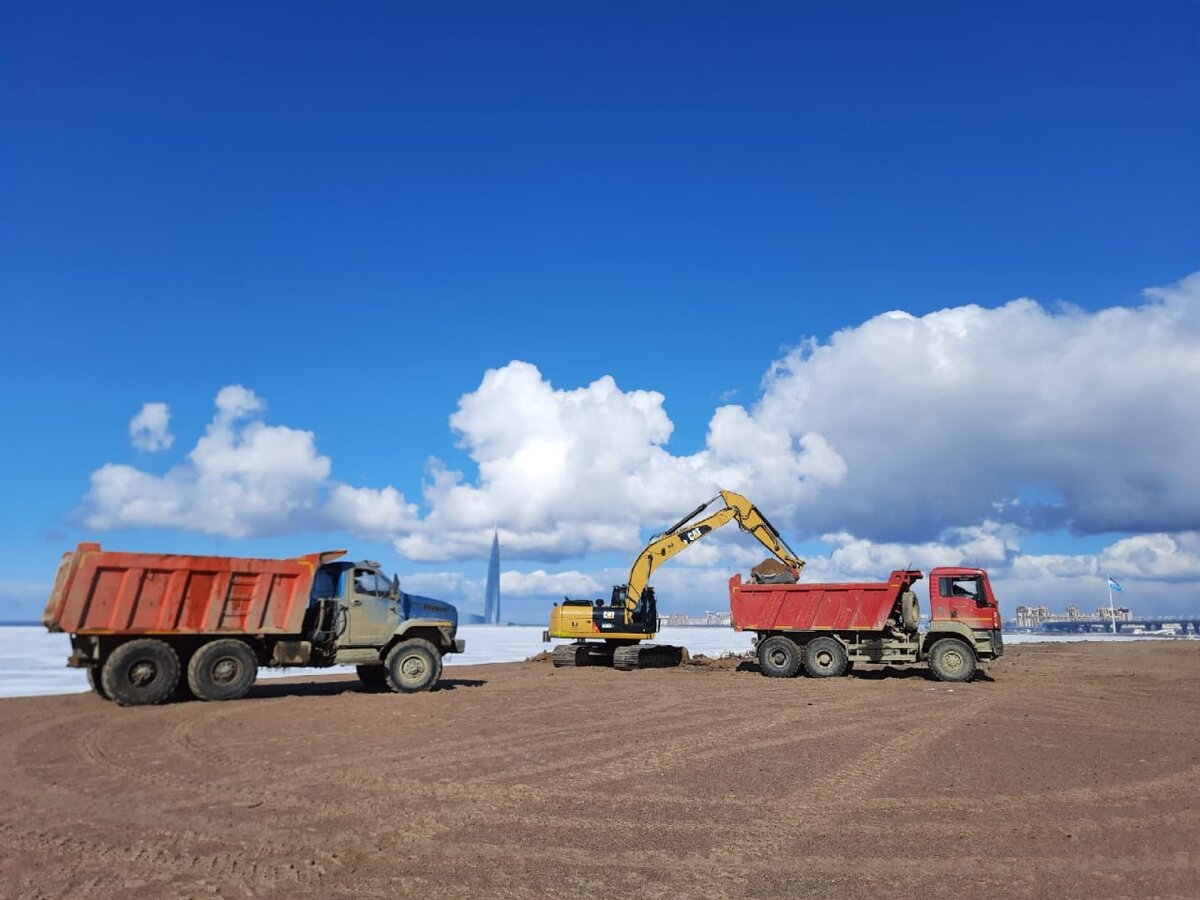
{"x":682,"y":535}
{"x":617,"y":629}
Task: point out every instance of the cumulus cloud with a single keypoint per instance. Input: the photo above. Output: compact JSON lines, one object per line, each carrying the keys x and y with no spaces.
{"x":540,"y":583}
{"x":568,"y":472}
{"x":243,"y":477}
{"x":894,"y":430}
{"x":370,"y":511}
{"x":1056,"y":418}
{"x":1162,"y":556}
{"x":988,"y":545}
{"x":150,"y":429}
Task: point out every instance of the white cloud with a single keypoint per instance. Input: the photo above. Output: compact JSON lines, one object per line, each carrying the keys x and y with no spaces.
{"x":1158,"y":572}
{"x":370,"y":511}
{"x":1053,"y":566}
{"x":1159,"y":556}
{"x":984,"y":546}
{"x":242,"y":478}
{"x":1066,"y":418}
{"x":896,"y":429}
{"x":150,"y":429}
{"x":566,"y":472}
{"x":540,"y":583}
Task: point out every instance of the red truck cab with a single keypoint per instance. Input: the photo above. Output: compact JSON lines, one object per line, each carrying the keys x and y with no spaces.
{"x":963,"y":595}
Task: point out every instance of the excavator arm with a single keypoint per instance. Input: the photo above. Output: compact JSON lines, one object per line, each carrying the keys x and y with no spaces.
{"x":687,"y":531}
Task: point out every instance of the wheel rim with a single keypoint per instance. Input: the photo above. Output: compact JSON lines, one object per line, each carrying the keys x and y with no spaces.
{"x":226,"y":670}
{"x":412,"y":668}
{"x":953,"y":661}
{"x":777,"y":658}
{"x":824,"y":659}
{"x":142,"y":673}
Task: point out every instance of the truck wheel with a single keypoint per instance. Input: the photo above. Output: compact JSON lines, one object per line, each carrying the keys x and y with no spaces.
{"x":779,"y":657}
{"x":374,"y":678}
{"x":413,"y":665}
{"x":222,"y":670}
{"x":825,"y":657}
{"x":96,"y":683}
{"x":951,"y":660}
{"x":140,"y":673}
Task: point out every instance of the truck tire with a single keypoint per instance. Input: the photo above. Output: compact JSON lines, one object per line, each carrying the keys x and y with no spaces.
{"x":950,"y":659}
{"x":140,"y":673}
{"x":222,"y":670}
{"x":779,"y":657}
{"x":373,"y":677}
{"x":825,"y":657}
{"x":910,"y":611}
{"x":96,"y":683}
{"x":413,"y":665}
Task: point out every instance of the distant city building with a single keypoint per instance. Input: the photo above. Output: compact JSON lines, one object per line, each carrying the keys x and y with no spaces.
{"x":491,"y":602}
{"x":1036,"y":616}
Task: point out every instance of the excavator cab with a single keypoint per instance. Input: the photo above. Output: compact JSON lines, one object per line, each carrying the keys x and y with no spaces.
{"x":644,"y":616}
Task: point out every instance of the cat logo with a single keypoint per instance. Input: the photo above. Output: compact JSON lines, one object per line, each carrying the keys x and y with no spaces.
{"x":610,"y":615}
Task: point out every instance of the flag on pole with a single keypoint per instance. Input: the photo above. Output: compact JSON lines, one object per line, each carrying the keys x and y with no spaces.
{"x":1112,"y":584}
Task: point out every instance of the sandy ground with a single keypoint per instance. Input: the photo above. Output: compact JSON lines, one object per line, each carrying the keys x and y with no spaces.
{"x":1073,"y":770}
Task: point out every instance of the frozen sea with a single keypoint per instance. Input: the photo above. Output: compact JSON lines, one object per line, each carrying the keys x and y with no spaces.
{"x":33,"y":661}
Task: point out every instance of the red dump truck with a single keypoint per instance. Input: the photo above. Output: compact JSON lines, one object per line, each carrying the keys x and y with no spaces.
{"x":824,"y":628}
{"x":142,"y":624}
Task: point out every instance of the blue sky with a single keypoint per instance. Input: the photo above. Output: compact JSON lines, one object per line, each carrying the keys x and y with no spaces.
{"x":356,"y":211}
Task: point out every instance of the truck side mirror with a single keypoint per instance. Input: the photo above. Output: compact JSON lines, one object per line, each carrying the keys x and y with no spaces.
{"x":395,"y":585}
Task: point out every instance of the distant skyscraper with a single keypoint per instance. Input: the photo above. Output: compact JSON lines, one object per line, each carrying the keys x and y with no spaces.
{"x":491,"y":603}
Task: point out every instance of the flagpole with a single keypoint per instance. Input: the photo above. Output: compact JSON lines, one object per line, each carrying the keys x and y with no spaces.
{"x":1111,"y":613}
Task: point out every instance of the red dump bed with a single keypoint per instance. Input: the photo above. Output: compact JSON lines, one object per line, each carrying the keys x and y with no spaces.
{"x":102,"y":592}
{"x":816,"y":607}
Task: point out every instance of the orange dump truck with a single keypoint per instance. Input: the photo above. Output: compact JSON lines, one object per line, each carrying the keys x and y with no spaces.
{"x":824,"y":628}
{"x":142,"y":624}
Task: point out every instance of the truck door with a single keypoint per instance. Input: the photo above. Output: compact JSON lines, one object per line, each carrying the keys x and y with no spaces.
{"x":964,"y":598}
{"x":371,"y":614}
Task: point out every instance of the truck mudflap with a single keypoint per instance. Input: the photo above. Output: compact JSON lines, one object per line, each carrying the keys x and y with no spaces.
{"x":998,"y":642}
{"x":460,"y":646}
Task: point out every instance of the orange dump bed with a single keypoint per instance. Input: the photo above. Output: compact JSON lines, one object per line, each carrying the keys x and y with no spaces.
{"x":862,"y":606}
{"x":105,"y":592}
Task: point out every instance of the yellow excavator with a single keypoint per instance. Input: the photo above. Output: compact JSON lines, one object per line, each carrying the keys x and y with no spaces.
{"x":612,"y":634}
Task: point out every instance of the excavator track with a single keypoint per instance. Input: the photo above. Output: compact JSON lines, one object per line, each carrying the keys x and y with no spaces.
{"x":649,"y":656}
{"x":573,"y":656}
